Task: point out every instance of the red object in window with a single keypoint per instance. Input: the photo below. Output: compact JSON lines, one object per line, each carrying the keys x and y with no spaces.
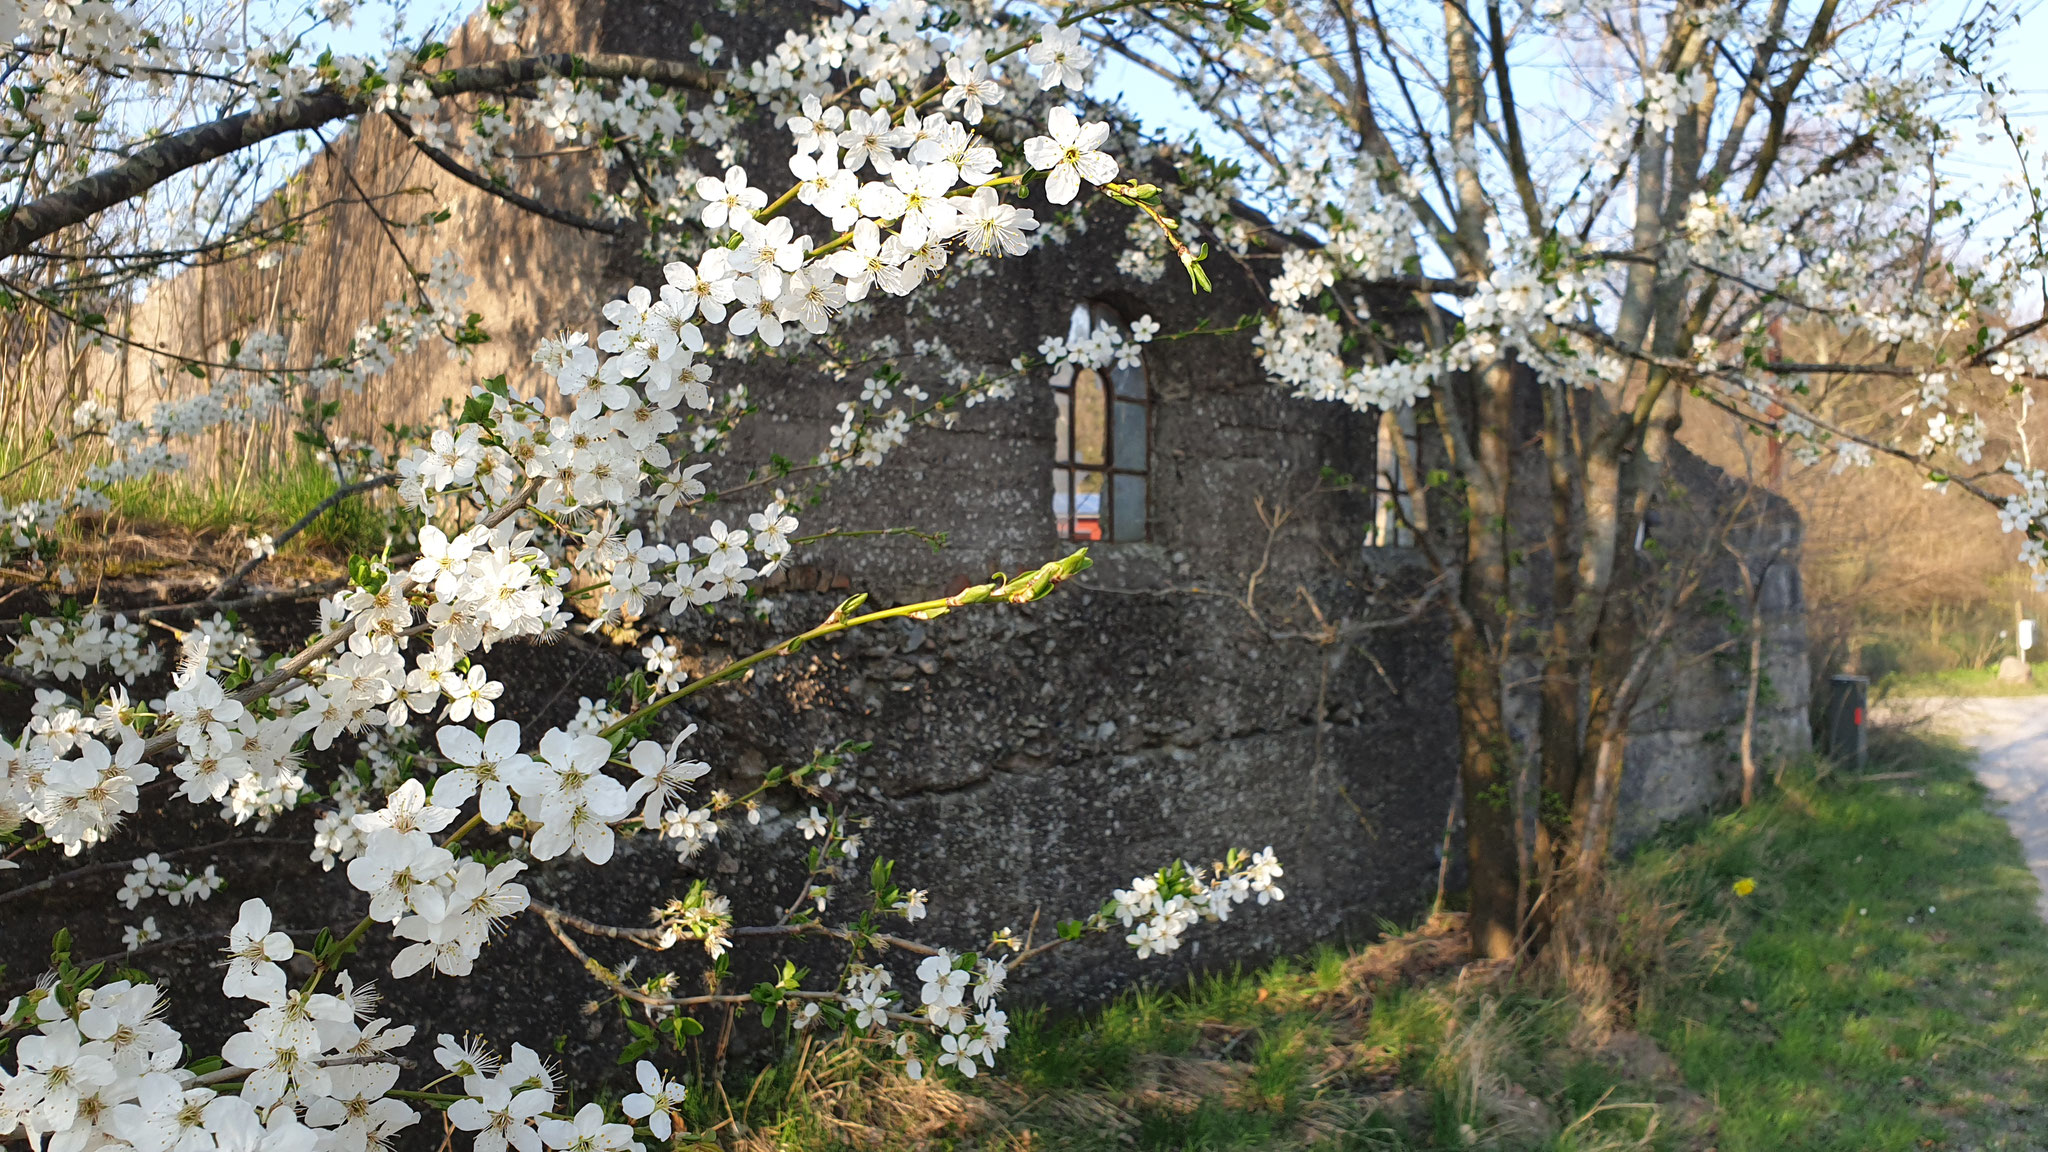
{"x":1859,"y":717}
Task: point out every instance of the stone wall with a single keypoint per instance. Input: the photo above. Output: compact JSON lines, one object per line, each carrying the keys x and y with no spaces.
{"x":1208,"y":687}
{"x":1027,"y":763}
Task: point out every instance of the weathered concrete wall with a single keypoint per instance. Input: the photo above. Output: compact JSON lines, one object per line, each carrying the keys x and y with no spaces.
{"x":1023,"y":767}
{"x":1682,"y":755}
{"x":1684,"y":750}
{"x":1183,"y":697}
{"x":1026,"y":761}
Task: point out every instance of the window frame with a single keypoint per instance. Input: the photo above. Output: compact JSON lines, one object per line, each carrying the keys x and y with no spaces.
{"x":1067,"y":460}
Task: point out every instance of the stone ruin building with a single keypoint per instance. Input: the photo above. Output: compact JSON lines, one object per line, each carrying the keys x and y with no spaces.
{"x":1239,"y":668}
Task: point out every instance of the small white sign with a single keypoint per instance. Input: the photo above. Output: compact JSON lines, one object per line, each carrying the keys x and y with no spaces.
{"x":2026,"y":635}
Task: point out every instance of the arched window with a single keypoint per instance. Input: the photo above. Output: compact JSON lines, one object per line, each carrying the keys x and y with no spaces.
{"x":1100,"y":448}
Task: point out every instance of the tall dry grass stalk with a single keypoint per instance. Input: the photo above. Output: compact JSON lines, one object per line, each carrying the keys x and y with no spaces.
{"x":841,"y":1095}
{"x":1628,"y":938}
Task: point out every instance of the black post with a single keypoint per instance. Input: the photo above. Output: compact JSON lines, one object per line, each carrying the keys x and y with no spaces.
{"x":1848,"y":720}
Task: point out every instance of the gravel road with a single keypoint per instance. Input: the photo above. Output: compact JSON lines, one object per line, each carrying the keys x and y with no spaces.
{"x":2010,"y":734}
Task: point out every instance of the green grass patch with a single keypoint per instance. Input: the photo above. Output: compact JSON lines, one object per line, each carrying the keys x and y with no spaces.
{"x":1957,"y":682}
{"x":1884,"y":987}
{"x":1298,"y":1055}
{"x":269,"y":502}
{"x":177,"y":508}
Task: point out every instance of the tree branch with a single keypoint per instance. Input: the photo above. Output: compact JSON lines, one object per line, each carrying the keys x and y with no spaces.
{"x":124,"y":865}
{"x":477,"y":180}
{"x":187,"y":149}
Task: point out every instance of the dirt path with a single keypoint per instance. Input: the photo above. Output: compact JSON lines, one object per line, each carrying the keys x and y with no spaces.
{"x":2010,"y":734}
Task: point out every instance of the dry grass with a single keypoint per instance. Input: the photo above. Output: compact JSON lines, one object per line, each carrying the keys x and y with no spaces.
{"x":856,"y":1103}
{"x":1404,"y":1045}
{"x":1898,"y":580}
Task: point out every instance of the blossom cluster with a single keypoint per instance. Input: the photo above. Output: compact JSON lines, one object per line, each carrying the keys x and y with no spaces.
{"x":515,"y":510}
{"x":152,"y":875}
{"x":1098,"y":347}
{"x":933,"y":182}
{"x":508,"y":1102}
{"x":78,"y":800}
{"x":101,"y":1068}
{"x":1395,"y":262}
{"x":1160,"y":908}
{"x":566,"y":804}
{"x":446,"y":907}
{"x":2025,"y":508}
{"x":68,"y":648}
{"x":957,"y":999}
{"x":228,"y":751}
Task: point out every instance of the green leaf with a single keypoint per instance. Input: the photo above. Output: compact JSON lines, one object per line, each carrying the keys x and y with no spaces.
{"x":477,"y":410}
{"x":1196,"y":276}
{"x":366,"y":574}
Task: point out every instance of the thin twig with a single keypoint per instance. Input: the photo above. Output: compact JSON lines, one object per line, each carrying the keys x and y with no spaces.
{"x":77,"y":874}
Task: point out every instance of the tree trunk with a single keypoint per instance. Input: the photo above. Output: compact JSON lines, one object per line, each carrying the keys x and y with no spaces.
{"x":1486,"y":773}
{"x":1487,"y":763}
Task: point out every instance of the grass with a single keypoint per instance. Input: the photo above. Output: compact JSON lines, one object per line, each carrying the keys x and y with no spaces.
{"x":1957,"y":682}
{"x":171,"y":520}
{"x":1812,"y":1014}
{"x":266,"y":503}
{"x":1885,"y":987}
{"x":1335,"y":1053}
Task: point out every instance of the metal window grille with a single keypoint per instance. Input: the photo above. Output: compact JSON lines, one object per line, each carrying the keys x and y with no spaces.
{"x":1102,"y":444}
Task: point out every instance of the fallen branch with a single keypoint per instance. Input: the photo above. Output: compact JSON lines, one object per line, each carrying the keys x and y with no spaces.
{"x":234,"y":580}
